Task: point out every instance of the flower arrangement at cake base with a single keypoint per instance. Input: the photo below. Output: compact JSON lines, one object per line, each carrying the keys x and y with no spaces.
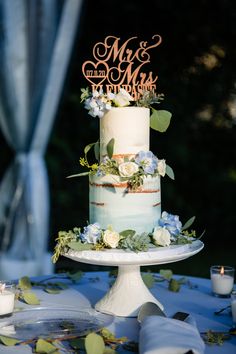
{"x":169,"y":231}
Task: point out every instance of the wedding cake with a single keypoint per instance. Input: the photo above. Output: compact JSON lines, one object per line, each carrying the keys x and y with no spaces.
{"x":124,"y":181}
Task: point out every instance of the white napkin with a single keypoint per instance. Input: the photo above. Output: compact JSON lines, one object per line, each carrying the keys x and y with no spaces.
{"x":162,"y":335}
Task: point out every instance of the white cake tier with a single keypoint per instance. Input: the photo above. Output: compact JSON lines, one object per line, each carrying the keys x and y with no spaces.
{"x":129,"y":126}
{"x":112,"y":203}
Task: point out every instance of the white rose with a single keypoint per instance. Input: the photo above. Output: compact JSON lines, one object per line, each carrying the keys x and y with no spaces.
{"x":161,"y":236}
{"x":122,"y":99}
{"x":111,"y":238}
{"x":128,"y":169}
{"x":161,"y":167}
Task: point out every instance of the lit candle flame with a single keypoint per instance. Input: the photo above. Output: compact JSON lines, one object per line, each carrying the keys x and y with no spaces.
{"x":222,"y":270}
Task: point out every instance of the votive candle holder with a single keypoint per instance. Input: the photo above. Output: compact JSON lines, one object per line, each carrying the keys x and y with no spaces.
{"x":7,"y":298}
{"x":222,"y":280}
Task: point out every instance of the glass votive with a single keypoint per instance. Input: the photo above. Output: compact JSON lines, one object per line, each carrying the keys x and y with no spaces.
{"x":7,"y":298}
{"x":222,"y":280}
{"x":233,"y":305}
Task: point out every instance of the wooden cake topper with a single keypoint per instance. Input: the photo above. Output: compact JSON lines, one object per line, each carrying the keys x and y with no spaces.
{"x":116,"y":66}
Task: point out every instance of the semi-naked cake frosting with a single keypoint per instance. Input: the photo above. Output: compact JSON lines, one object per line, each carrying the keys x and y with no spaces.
{"x":111,"y":201}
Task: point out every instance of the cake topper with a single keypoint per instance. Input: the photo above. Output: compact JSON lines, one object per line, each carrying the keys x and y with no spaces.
{"x":116,"y":65}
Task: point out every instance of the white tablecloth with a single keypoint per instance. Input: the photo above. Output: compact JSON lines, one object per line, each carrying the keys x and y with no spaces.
{"x":197,"y":301}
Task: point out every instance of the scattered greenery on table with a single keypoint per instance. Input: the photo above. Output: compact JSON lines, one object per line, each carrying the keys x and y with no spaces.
{"x":25,"y":285}
{"x":102,"y":342}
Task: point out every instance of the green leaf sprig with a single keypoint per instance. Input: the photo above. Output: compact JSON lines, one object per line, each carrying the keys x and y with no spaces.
{"x":212,"y":337}
{"x":173,"y":284}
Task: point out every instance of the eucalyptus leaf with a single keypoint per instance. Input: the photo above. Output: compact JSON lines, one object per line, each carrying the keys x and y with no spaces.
{"x":94,"y":344}
{"x":160,"y":120}
{"x":8,"y":341}
{"x":166,"y":273}
{"x":79,"y":246}
{"x":126,"y":233}
{"x":79,"y":175}
{"x":30,"y":298}
{"x":75,"y":276}
{"x":77,"y":343}
{"x":52,"y":290}
{"x":188,"y":223}
{"x":42,"y":346}
{"x":170,"y":172}
{"x":148,"y":280}
{"x":110,"y":148}
{"x":24,"y":283}
{"x":88,"y":148}
{"x":60,"y":285}
{"x":97,"y":150}
{"x":107,"y":334}
{"x":174,"y":285}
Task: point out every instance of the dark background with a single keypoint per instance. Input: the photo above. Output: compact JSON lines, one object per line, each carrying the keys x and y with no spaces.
{"x":196,"y":65}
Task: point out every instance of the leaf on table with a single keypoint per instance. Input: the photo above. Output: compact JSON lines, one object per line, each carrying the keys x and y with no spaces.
{"x":52,"y":290}
{"x":77,"y":343}
{"x":75,"y":276}
{"x":211,"y":337}
{"x":8,"y":341}
{"x":108,"y":336}
{"x":148,"y":279}
{"x":24,"y":283}
{"x":166,"y":273}
{"x":42,"y":346}
{"x":174,"y":285}
{"x":59,"y":285}
{"x":30,"y":298}
{"x":94,"y":344}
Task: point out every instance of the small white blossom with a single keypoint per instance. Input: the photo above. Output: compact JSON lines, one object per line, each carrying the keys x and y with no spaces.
{"x":111,"y":238}
{"x":161,"y":236}
{"x":128,"y":169}
{"x":161,"y":167}
{"x":122,"y":99}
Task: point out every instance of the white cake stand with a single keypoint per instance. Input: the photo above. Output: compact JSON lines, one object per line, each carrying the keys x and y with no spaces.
{"x":129,"y":291}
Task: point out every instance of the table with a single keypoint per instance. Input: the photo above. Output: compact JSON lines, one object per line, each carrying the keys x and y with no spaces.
{"x":194,"y":297}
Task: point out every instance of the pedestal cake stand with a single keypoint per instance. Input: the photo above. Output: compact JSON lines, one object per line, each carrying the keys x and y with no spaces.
{"x":129,"y":291}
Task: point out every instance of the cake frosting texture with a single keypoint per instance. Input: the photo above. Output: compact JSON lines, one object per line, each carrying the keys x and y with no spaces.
{"x":112,"y":203}
{"x":129,"y":127}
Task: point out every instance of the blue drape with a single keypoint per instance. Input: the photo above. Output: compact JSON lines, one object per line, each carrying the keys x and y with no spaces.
{"x":36,"y":38}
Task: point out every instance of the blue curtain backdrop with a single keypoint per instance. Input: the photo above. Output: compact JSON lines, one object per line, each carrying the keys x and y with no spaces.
{"x":36,"y":39}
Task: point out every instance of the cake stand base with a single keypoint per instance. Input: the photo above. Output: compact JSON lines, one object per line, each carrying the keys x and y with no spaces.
{"x":127,"y":294}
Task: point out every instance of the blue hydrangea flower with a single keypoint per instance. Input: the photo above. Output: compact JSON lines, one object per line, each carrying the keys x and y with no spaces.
{"x":147,"y":161}
{"x":171,"y":223}
{"x":91,"y":234}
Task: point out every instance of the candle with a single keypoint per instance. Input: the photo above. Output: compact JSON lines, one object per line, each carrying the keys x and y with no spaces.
{"x":7,"y":298}
{"x":233,"y":305}
{"x":222,"y":280}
